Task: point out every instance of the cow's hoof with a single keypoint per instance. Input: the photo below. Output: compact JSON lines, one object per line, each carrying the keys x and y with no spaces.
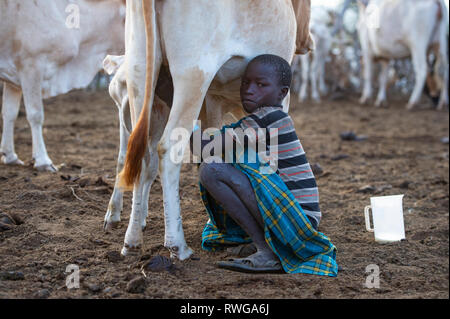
{"x":181,"y":254}
{"x":128,"y":251}
{"x":409,"y":106}
{"x":442,"y":106}
{"x":109,"y":225}
{"x":363,"y":101}
{"x":11,"y":161}
{"x":381,"y":104}
{"x":46,"y":168}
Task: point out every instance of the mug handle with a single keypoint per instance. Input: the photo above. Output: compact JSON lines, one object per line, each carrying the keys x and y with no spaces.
{"x":366,"y":214}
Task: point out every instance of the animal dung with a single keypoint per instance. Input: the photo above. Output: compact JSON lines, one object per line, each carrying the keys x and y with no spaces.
{"x":351,"y":136}
{"x":136,"y":285}
{"x":159,"y":263}
{"x":8,"y":221}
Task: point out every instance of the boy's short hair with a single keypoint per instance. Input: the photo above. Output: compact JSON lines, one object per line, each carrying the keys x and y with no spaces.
{"x":280,"y":65}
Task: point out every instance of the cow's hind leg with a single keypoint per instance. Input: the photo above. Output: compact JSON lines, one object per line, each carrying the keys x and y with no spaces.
{"x":133,"y":237}
{"x":160,"y":114}
{"x":10,"y":110}
{"x":115,"y":206}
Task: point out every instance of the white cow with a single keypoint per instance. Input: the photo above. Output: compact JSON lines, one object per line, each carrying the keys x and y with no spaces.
{"x":391,"y":29}
{"x":48,"y":48}
{"x":207,"y":45}
{"x":313,"y":64}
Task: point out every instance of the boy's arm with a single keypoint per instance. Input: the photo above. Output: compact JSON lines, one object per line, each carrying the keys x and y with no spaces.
{"x":196,"y":151}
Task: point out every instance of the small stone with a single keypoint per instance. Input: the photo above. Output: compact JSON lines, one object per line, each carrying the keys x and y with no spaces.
{"x":351,"y":136}
{"x":11,"y":275}
{"x":107,"y":290}
{"x":404,"y":184}
{"x":348,"y":136}
{"x":339,"y":157}
{"x":5,"y":227}
{"x":115,"y":294}
{"x":136,"y":285}
{"x":317,"y":169}
{"x":366,"y":189}
{"x":42,"y":294}
{"x":94,"y":287}
{"x":113,"y":256}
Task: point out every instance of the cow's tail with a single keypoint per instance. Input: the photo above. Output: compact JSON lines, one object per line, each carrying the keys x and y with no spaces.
{"x":137,"y":143}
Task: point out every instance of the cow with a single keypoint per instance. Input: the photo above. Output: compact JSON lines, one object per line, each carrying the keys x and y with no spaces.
{"x":399,"y":29}
{"x":48,"y":48}
{"x":312,"y":65}
{"x":206,"y":45}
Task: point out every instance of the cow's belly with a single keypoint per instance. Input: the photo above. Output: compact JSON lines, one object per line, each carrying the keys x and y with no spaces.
{"x":203,"y":35}
{"x":228,"y":79}
{"x":8,"y":72}
{"x":392,"y":48}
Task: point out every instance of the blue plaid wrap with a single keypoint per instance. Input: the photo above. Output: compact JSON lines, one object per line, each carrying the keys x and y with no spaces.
{"x":287,"y":230}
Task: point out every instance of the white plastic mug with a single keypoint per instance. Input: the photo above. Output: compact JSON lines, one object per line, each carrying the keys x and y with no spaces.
{"x":387,"y":215}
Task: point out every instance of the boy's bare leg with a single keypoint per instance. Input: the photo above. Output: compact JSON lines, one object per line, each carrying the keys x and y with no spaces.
{"x":232,"y":189}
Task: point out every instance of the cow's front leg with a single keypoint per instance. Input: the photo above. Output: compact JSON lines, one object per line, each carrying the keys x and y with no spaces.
{"x":10,"y":110}
{"x":305,"y":77}
{"x":188,"y":98}
{"x":367,"y":78}
{"x":314,"y":73}
{"x":383,"y":79}
{"x":32,"y":95}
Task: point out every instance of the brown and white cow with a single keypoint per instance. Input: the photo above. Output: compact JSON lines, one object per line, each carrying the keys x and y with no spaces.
{"x":48,"y":48}
{"x":206,"y":45}
{"x":400,"y":29}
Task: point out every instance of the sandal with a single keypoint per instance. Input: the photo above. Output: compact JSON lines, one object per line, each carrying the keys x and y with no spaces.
{"x":243,"y":250}
{"x":248,"y":265}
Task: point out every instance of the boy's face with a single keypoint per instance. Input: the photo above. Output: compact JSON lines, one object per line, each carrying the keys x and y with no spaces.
{"x":260,"y":87}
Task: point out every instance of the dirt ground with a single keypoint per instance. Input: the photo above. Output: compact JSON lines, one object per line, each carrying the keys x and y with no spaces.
{"x":62,"y":213}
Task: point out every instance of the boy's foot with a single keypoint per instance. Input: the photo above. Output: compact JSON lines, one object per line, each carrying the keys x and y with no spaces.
{"x":242,"y":250}
{"x":255,"y":263}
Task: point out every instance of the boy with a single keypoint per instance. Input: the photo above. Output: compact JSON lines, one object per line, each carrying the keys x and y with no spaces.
{"x":280,"y":233}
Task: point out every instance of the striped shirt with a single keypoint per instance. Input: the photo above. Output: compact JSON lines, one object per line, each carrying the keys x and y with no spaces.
{"x":292,"y":164}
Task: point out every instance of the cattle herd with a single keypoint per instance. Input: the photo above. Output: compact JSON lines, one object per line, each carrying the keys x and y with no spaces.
{"x":172,"y":62}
